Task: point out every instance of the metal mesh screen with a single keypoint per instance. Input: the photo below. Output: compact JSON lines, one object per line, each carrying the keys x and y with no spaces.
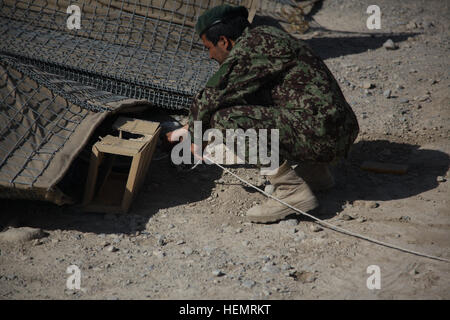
{"x":56,"y":84}
{"x":136,"y":48}
{"x":39,"y":113}
{"x":143,"y":49}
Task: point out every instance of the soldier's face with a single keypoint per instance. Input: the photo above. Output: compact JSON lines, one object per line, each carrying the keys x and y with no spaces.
{"x":219,"y":51}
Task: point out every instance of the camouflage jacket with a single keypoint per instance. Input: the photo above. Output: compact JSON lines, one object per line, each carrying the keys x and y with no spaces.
{"x":268,"y":67}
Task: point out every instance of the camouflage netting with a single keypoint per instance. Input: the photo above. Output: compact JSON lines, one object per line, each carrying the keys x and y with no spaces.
{"x":57,"y":85}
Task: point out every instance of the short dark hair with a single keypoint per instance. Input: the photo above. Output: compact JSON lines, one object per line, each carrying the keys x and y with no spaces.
{"x":231,"y":28}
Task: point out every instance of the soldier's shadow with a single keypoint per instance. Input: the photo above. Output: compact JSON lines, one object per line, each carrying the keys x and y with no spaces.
{"x":424,"y":166}
{"x":335,"y":43}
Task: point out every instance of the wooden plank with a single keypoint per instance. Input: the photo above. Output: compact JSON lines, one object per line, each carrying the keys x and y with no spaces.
{"x":138,"y":171}
{"x":136,"y":126}
{"x":149,"y":155}
{"x":96,"y":159}
{"x":129,"y":189}
{"x":115,"y":145}
{"x":383,"y":167}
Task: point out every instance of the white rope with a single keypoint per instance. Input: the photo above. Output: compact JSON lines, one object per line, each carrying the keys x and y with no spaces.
{"x":324,"y":223}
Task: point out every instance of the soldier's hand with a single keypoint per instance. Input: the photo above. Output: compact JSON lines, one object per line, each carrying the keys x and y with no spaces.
{"x":177,"y":135}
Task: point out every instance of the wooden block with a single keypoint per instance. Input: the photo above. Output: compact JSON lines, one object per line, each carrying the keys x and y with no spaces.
{"x":117,"y":190}
{"x":382,"y":167}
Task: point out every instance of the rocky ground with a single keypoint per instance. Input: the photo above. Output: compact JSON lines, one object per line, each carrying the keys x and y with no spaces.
{"x":185,"y":236}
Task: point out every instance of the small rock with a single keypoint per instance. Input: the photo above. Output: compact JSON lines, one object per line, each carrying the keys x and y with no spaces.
{"x":411,"y":25}
{"x":269,"y":189}
{"x":261,"y":181}
{"x":248,"y":284}
{"x":209,"y":250}
{"x":387,"y":93}
{"x":179,"y":242}
{"x":404,"y":219}
{"x":367,"y":85}
{"x":188,"y":251}
{"x":345,"y":217}
{"x":423,"y":98}
{"x":315,"y":228}
{"x":306,"y":277}
{"x":170,"y":226}
{"x":286,"y":267}
{"x":390,"y":45}
{"x":245,"y":242}
{"x":159,"y":253}
{"x":22,"y":234}
{"x":111,"y":249}
{"x":160,"y":240}
{"x":289,"y":223}
{"x":37,"y":242}
{"x":404,"y":100}
{"x":372,"y":204}
{"x":300,"y":236}
{"x":361,"y":219}
{"x":105,"y":244}
{"x":266,"y":293}
{"x":268,"y":267}
{"x":413,"y":272}
{"x":441,"y":179}
{"x":218,"y":273}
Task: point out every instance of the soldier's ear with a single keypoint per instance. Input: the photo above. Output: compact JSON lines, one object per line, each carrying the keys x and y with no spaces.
{"x":225,"y":43}
{"x":228,"y":44}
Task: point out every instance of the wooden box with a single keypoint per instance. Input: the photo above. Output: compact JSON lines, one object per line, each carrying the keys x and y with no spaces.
{"x":115,"y":191}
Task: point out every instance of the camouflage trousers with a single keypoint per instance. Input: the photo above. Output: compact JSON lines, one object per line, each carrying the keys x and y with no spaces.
{"x":296,"y":142}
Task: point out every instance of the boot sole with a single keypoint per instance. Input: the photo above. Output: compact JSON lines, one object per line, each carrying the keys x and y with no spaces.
{"x":305,"y":206}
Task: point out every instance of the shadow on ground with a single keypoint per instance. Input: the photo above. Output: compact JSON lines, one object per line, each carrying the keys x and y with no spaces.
{"x":168,"y":186}
{"x":341,"y":43}
{"x":353,"y":183}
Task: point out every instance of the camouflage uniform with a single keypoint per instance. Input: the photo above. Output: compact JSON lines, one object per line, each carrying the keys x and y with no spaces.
{"x":271,"y":80}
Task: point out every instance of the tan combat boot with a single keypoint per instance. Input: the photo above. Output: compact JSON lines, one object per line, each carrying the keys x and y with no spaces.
{"x":288,"y":187}
{"x":317,"y":175}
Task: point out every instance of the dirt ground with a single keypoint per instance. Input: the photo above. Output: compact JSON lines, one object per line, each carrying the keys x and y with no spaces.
{"x":185,"y":236}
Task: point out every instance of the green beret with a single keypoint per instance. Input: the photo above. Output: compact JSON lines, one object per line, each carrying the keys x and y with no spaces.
{"x":218,"y":14}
